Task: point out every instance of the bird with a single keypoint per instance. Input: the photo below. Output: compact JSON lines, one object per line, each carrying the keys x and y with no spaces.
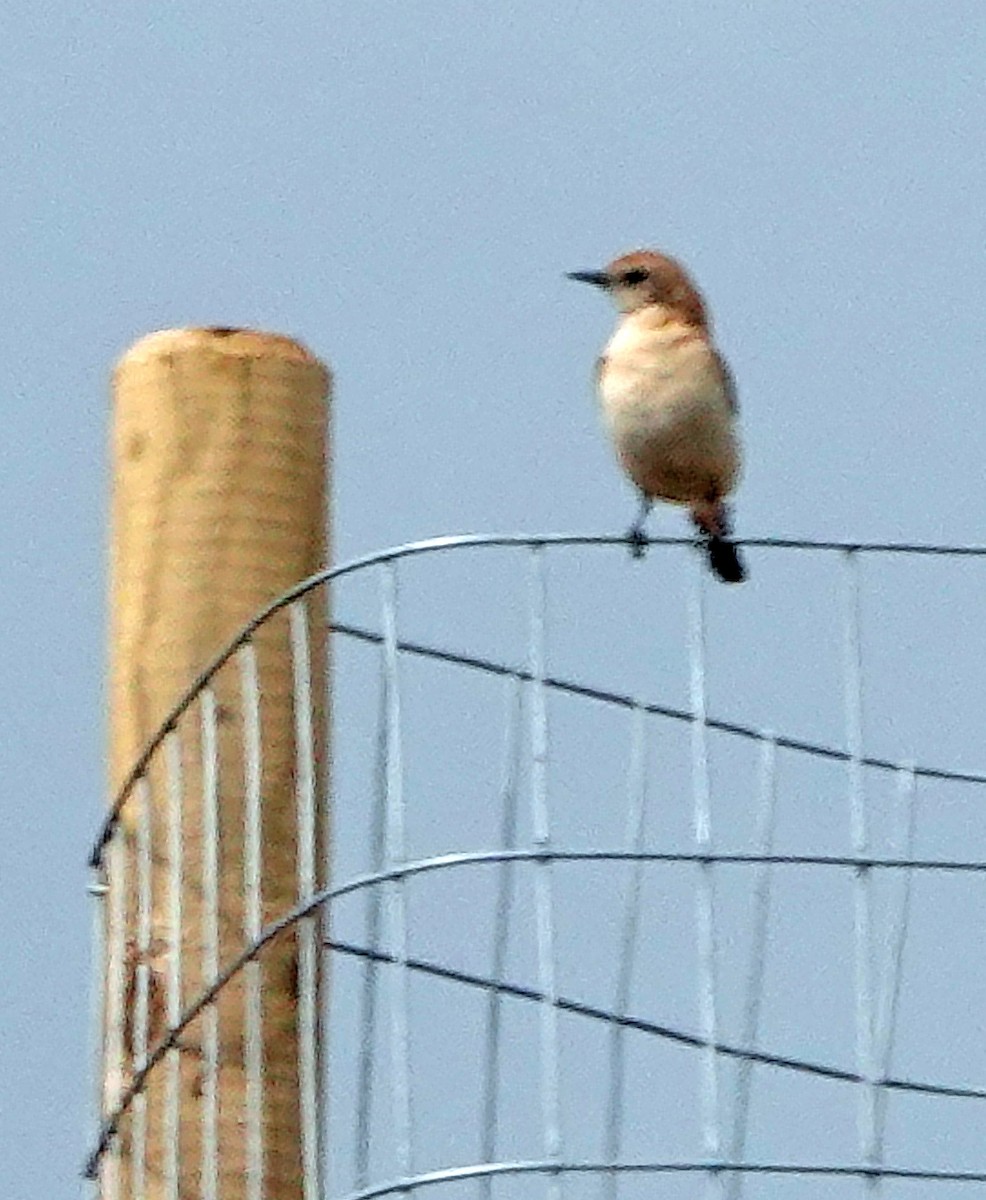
{"x":668,"y":400}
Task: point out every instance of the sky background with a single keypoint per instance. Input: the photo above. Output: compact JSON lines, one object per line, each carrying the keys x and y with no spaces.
{"x":402,"y":185}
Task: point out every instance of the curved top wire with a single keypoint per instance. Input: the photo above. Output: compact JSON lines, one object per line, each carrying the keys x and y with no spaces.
{"x":481,"y":540}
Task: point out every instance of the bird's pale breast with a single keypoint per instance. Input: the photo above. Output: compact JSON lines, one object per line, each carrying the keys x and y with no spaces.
{"x":667,"y":407}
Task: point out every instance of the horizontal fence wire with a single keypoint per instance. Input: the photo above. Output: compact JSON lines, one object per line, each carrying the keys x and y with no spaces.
{"x":444,"y":862}
{"x":667,"y":1032}
{"x":151,"y":1014}
{"x":625,"y":700}
{"x":477,"y":541}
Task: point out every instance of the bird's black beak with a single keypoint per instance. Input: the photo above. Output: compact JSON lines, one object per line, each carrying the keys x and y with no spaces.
{"x":596,"y":278}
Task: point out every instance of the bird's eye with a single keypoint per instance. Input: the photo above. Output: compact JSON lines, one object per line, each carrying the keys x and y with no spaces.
{"x":632,"y":278}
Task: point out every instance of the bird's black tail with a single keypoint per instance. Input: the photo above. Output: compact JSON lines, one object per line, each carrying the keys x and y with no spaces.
{"x":715,"y":528}
{"x":724,"y":559}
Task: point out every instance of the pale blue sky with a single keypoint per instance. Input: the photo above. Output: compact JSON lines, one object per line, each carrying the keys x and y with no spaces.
{"x":402,"y":185}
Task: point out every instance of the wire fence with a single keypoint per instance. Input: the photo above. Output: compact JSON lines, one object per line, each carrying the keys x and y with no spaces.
{"x":553,"y":966}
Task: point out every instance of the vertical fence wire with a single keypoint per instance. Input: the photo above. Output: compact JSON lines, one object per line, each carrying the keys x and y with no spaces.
{"x":763,"y":877}
{"x":210,"y":944}
{"x":143,"y":978}
{"x":176,"y":883}
{"x":543,"y":890}
{"x":116,"y":986}
{"x":367,"y":1018}
{"x":253,"y":1048}
{"x":396,"y":912}
{"x":327,"y":792}
{"x":862,"y":876}
{"x":509,"y":798}
{"x":886,"y":1026}
{"x":305,"y":782}
{"x":98,"y":892}
{"x":634,"y":839}
{"x":705,"y":890}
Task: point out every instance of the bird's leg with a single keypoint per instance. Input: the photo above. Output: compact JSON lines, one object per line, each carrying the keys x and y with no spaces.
{"x":711,"y":519}
{"x":724,"y":520}
{"x":636,"y":534}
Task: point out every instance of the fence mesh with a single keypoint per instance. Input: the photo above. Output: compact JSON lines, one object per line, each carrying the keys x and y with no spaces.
{"x":628,"y":884}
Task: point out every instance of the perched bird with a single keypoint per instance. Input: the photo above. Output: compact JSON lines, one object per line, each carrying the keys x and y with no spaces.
{"x":668,"y":400}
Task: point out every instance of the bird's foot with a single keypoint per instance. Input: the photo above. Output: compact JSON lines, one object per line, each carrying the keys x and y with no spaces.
{"x":637,"y":540}
{"x":637,"y":533}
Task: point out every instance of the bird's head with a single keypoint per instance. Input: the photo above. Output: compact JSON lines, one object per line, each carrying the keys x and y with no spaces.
{"x":645,"y":278}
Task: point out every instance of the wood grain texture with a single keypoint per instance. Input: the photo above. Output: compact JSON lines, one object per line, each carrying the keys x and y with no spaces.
{"x":219,"y":485}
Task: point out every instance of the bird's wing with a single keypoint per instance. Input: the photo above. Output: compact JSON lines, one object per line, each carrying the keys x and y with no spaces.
{"x":728,"y":383}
